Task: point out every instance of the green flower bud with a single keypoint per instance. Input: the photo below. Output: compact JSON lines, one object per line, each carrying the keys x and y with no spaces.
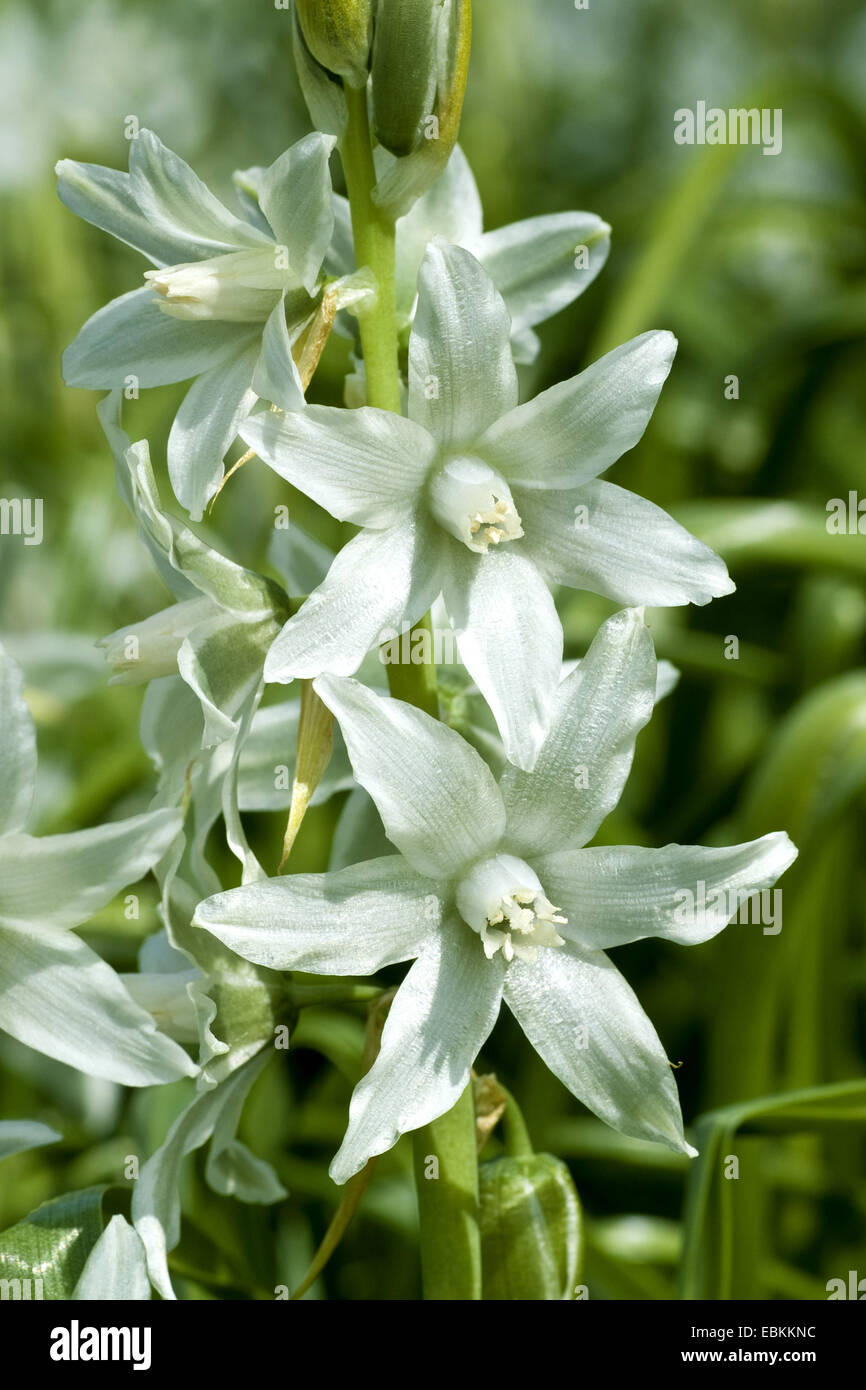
{"x":530,"y":1229}
{"x":322,"y":91}
{"x":405,"y":70}
{"x":413,"y":118}
{"x":338,"y":35}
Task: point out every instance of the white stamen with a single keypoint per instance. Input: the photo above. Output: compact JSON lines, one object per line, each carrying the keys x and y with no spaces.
{"x":474,"y":504}
{"x":502,"y":899}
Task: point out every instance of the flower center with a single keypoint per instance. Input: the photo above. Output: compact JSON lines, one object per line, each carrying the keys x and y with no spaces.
{"x":474,"y":503}
{"x":502,"y":899}
{"x":240,"y":286}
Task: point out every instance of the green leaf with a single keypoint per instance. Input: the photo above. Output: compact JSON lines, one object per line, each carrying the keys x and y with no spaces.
{"x":51,"y":1245}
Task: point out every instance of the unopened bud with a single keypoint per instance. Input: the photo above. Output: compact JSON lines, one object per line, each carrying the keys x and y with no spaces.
{"x":405,"y":70}
{"x":402,"y":88}
{"x":530,"y":1229}
{"x":337,"y":33}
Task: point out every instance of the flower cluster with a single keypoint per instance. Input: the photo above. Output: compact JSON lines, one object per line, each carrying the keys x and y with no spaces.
{"x":469,"y":499}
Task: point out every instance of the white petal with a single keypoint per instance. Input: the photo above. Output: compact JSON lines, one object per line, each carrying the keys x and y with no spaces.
{"x":451,"y":209}
{"x":17,"y":1136}
{"x":684,"y":893}
{"x":132,"y":337}
{"x":295,"y":196}
{"x":607,"y":540}
{"x":577,"y":429}
{"x":461,"y":373}
{"x":352,"y":922}
{"x":376,"y":581}
{"x":116,"y":1268}
{"x":17,"y":749}
{"x":276,"y":377}
{"x":60,"y":998}
{"x":585,"y":760}
{"x":173,"y":199}
{"x":438,"y":801}
{"x":62,"y":880}
{"x":104,"y":198}
{"x":205,"y":427}
{"x":586,"y":1023}
{"x":533,"y":263}
{"x":366,"y":466}
{"x":442,"y":1016}
{"x":510,"y":639}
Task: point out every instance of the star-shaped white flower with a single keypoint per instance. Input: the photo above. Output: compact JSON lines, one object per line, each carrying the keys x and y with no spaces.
{"x":484,"y":500}
{"x":227,"y":301}
{"x":56,"y":994}
{"x":493,"y":895}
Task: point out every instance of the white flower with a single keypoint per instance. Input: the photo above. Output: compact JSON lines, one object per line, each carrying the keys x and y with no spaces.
{"x":484,"y":500}
{"x":227,"y":301}
{"x":56,"y":994}
{"x":482,"y":870}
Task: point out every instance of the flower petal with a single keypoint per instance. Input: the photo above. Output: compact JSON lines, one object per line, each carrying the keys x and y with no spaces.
{"x":577,"y":429}
{"x":276,"y":377}
{"x":352,"y":922}
{"x":132,"y":337}
{"x":174,"y":200}
{"x":60,"y":998}
{"x":442,"y":1016}
{"x":586,"y":1023}
{"x":17,"y":749}
{"x":437,"y":798}
{"x":534,"y":266}
{"x":62,"y":880}
{"x":364,"y":466}
{"x":607,"y":540}
{"x":461,"y":373}
{"x":584,"y":762}
{"x":205,"y":427}
{"x":451,"y":209}
{"x":116,"y":1267}
{"x":684,"y":893}
{"x":104,"y":198}
{"x":510,"y":639}
{"x":295,"y":196}
{"x":379,"y":579}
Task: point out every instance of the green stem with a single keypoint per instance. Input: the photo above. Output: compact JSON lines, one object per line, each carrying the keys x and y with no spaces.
{"x":448,"y":1204}
{"x":374,"y":247}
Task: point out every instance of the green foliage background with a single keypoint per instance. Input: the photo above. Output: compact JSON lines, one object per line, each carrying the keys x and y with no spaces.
{"x":759,"y":266}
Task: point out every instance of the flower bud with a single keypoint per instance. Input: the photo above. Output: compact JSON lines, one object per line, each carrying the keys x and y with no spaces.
{"x":147,"y":650}
{"x":530,"y":1229}
{"x":337,"y":33}
{"x":415,"y":117}
{"x":405,"y":70}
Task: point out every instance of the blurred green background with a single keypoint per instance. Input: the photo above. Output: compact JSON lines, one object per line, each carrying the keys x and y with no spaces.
{"x":758,"y":265}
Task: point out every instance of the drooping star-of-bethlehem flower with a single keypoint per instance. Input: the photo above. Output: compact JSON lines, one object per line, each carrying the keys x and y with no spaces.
{"x":484,"y":500}
{"x":228,"y":298}
{"x":493,"y":896}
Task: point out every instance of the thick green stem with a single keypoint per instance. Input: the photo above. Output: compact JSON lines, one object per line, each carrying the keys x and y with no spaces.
{"x":374,"y":247}
{"x":446,"y":1177}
